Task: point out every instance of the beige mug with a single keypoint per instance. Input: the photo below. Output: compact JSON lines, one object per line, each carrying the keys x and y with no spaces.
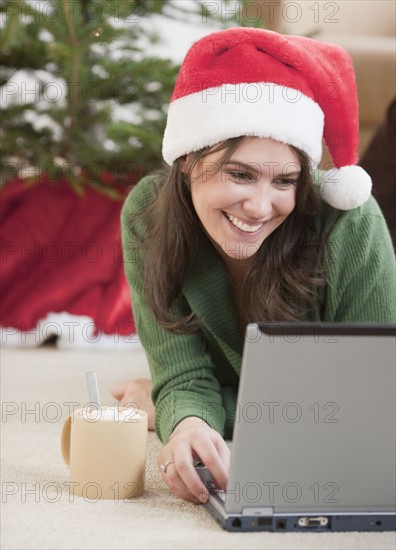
{"x":105,"y":450}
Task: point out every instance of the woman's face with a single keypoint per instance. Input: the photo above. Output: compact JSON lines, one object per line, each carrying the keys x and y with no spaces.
{"x":251,"y":195}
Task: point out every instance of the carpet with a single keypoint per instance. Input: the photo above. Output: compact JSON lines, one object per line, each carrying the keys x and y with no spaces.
{"x":37,"y":512}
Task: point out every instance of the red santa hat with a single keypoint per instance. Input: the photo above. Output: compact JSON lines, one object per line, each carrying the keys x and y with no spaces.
{"x":255,"y":82}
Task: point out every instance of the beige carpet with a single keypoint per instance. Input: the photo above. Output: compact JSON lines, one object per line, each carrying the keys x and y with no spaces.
{"x":37,"y":510}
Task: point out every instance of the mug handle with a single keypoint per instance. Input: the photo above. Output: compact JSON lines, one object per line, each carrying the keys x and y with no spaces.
{"x":65,"y":440}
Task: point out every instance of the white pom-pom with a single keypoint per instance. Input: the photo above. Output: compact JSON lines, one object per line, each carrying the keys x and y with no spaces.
{"x":346,"y":188}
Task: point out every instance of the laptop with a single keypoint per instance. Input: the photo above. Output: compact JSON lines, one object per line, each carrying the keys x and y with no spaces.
{"x":313,"y":446}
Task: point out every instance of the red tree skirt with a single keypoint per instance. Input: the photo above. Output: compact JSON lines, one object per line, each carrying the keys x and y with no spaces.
{"x":62,"y":268}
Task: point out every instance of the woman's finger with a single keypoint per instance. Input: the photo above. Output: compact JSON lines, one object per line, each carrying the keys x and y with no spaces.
{"x":190,"y":478}
{"x":202,"y":446}
{"x":119,"y":389}
{"x":193,"y":438}
{"x":176,"y":484}
{"x":224,"y":452}
{"x":213,"y":460}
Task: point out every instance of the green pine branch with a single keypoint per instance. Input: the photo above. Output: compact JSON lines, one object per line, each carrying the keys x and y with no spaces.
{"x":87,"y":65}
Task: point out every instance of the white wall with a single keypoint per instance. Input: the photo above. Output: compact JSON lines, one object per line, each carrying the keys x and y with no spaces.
{"x":357,"y":17}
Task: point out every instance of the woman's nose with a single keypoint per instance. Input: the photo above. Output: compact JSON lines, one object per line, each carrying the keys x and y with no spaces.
{"x":258,"y":204}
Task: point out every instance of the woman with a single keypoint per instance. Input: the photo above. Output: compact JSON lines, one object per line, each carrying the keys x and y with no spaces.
{"x":242,"y":227}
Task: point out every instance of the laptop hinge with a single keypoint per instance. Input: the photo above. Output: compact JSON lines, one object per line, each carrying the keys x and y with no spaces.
{"x":258,"y":511}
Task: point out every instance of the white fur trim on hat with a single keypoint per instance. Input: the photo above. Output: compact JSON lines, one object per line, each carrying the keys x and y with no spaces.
{"x":346,"y":188}
{"x":261,"y":109}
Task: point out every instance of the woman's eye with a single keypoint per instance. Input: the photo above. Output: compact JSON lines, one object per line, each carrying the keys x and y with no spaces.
{"x":240,"y":176}
{"x":285,"y":182}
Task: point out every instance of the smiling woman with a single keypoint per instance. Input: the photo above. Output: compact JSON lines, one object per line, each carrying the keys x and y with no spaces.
{"x":237,"y":194}
{"x":241,"y":227}
{"x":247,"y":199}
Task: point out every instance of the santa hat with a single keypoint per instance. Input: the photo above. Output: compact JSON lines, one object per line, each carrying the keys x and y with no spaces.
{"x":254,"y":82}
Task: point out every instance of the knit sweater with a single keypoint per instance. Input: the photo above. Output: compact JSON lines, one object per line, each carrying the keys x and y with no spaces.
{"x":198,"y":374}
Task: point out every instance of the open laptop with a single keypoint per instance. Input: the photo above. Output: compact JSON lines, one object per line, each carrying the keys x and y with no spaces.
{"x":314,"y":437}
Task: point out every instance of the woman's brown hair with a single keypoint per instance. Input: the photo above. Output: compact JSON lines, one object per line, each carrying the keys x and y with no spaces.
{"x":282,"y":281}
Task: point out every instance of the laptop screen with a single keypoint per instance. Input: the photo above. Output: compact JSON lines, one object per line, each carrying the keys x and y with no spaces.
{"x":315,"y":419}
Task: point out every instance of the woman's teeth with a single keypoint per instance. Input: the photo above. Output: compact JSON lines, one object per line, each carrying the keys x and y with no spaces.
{"x":243,"y":226}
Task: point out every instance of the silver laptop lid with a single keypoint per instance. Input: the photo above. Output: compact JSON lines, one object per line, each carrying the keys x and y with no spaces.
{"x":315,"y":420}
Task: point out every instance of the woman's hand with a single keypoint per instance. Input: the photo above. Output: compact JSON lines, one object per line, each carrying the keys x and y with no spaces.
{"x":193,"y":439}
{"x":137,"y":392}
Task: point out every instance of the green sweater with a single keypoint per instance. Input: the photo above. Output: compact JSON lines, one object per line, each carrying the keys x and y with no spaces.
{"x":198,"y":374}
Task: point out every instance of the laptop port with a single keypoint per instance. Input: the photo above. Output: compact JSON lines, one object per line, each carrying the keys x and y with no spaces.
{"x":319,"y":521}
{"x":264,"y":521}
{"x":281,"y":524}
{"x":236,"y":522}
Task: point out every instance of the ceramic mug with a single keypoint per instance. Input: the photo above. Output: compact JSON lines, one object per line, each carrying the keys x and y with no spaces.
{"x":105,"y":450}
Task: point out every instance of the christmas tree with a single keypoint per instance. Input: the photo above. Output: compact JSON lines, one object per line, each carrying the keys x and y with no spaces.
{"x":82,"y":68}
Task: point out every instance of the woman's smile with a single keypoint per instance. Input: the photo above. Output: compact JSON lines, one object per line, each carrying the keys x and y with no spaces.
{"x":243,"y":226}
